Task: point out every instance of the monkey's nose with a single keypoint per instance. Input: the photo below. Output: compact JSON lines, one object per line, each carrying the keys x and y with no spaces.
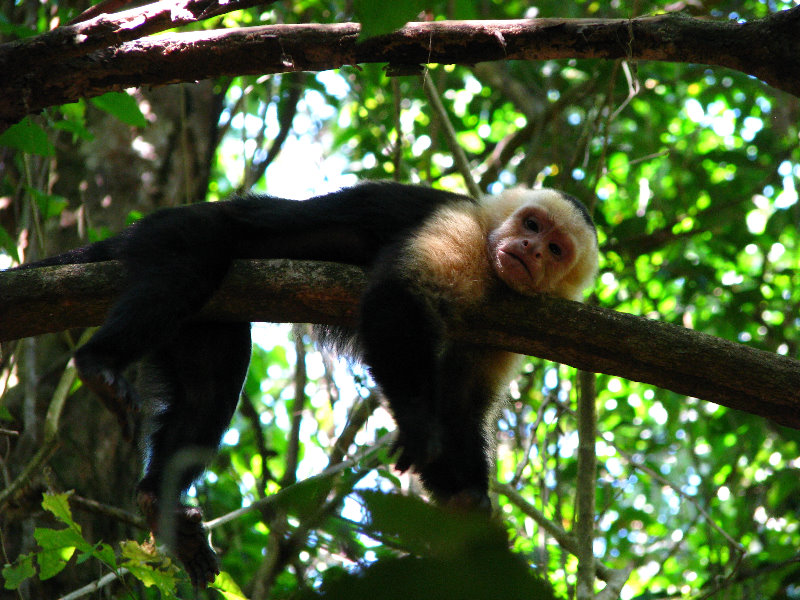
{"x":531,"y":248}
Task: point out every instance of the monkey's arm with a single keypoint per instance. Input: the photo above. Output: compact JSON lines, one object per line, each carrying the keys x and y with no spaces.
{"x":401,"y":336}
{"x":440,"y":391}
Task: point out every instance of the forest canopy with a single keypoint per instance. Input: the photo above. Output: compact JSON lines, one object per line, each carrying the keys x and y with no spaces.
{"x":677,"y":124}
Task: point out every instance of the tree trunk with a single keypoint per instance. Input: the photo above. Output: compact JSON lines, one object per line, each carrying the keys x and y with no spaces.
{"x":123,"y":169}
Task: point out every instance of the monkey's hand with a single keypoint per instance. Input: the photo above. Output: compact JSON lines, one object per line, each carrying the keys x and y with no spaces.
{"x":417,"y":445}
{"x":189,"y":542}
{"x":468,"y":501}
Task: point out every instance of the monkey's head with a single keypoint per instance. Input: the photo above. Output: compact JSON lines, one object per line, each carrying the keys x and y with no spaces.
{"x":541,"y":241}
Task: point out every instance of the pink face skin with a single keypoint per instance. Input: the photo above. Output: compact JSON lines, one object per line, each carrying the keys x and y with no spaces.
{"x":529,"y":252}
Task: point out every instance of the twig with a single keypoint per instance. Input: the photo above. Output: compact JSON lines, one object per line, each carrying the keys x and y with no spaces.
{"x":440,"y":115}
{"x":123,"y":516}
{"x":564,"y":539}
{"x":655,"y":475}
{"x":585,"y":485}
{"x":278,"y":496}
{"x":104,"y":7}
{"x":96,"y":585}
{"x":356,"y":418}
{"x":50,"y":433}
{"x":298,"y":406}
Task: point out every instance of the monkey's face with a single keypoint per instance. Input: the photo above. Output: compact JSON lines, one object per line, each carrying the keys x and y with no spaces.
{"x":531,"y":251}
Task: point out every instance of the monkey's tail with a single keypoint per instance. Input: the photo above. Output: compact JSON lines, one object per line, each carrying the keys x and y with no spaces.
{"x":97,"y":252}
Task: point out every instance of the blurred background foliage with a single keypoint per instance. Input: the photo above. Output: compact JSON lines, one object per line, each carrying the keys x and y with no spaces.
{"x":692,"y":177}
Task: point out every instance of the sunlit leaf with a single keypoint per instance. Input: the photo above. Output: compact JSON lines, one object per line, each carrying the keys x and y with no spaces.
{"x":122,"y":106}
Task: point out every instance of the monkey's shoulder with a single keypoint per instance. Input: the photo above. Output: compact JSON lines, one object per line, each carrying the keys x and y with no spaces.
{"x":447,"y":253}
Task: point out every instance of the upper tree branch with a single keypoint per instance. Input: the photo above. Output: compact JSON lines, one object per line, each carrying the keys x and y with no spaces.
{"x":590,"y":338}
{"x":105,"y":30}
{"x":81,"y":60}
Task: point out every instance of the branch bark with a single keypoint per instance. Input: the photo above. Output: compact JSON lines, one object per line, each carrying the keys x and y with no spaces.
{"x":587,"y":337}
{"x":107,"y":54}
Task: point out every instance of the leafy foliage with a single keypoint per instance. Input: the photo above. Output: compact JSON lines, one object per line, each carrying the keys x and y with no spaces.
{"x":58,"y":546}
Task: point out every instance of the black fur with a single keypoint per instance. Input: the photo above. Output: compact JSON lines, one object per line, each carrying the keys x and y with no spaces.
{"x":193,"y":372}
{"x":582,"y":209}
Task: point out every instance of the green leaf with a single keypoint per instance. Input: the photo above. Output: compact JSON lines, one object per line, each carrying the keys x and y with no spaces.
{"x":150,"y":566}
{"x":77,"y":129}
{"x":50,"y":205}
{"x":470,"y":565}
{"x":151,"y":576}
{"x":471,"y":142}
{"x":58,"y":546}
{"x":425,"y":528}
{"x":302,"y":498}
{"x":105,"y":553}
{"x":122,"y":106}
{"x":9,"y":29}
{"x":29,"y":137}
{"x":377,"y":18}
{"x":8,"y":244}
{"x":22,"y":569}
{"x":229,"y":589}
{"x":464,"y":10}
{"x":62,"y":540}
{"x":138,"y":552}
{"x":58,"y":505}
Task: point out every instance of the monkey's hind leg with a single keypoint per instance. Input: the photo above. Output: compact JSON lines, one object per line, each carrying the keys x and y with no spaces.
{"x":134,"y":326}
{"x":173,"y":262}
{"x":193,"y":384}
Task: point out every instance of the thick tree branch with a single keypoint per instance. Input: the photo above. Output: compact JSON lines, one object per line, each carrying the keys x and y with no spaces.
{"x":79,"y":61}
{"x":85,"y":36}
{"x":590,"y":338}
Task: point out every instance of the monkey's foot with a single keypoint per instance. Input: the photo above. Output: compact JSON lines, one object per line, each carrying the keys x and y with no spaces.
{"x":114,"y":391}
{"x":189,"y":543}
{"x":192,"y":547}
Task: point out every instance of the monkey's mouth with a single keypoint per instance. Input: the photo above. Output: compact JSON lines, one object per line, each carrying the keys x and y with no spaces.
{"x":516,"y":259}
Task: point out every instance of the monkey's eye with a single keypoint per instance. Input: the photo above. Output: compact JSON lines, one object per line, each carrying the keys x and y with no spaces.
{"x":555,"y":249}
{"x":532,"y":225}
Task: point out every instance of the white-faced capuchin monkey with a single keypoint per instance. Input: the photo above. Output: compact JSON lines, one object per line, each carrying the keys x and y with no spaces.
{"x":429,"y":253}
